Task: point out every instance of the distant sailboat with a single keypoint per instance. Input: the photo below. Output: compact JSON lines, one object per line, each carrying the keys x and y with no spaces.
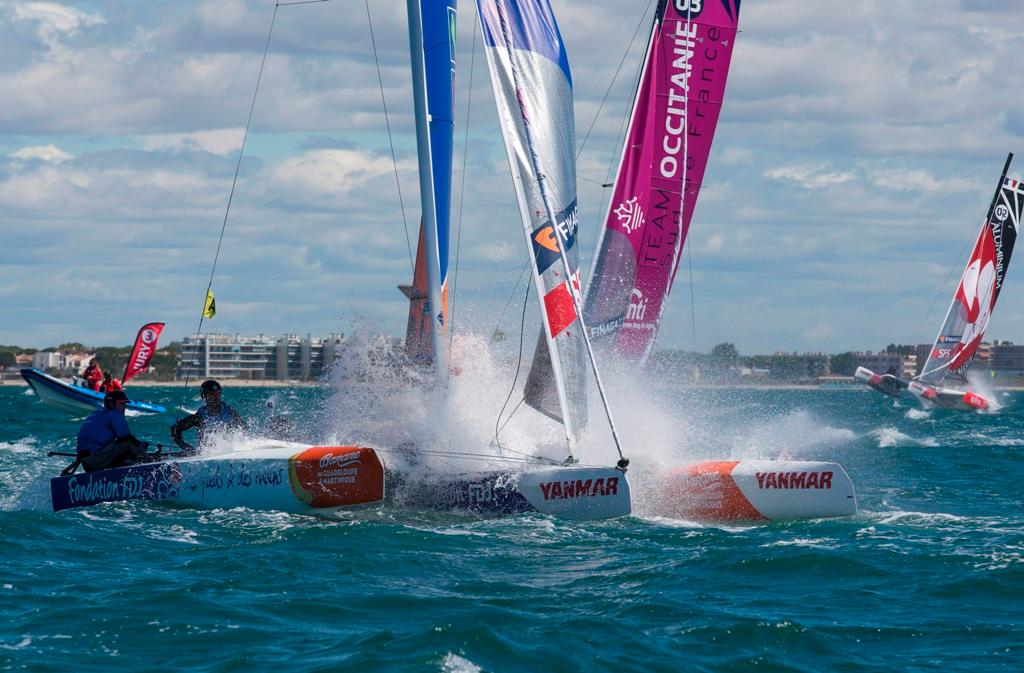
{"x":969,"y":313}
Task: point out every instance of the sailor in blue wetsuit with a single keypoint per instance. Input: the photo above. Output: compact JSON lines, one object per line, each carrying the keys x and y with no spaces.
{"x":104,"y":440}
{"x":215,"y":415}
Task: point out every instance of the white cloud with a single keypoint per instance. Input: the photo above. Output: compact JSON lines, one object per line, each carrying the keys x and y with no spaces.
{"x":809,"y":177}
{"x":50,"y":153}
{"x":222,"y":142}
{"x":333,"y":172}
{"x":53,"y":19}
{"x":818,"y":333}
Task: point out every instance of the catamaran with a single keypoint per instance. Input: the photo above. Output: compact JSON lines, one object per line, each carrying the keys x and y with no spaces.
{"x":661,"y":169}
{"x":969,"y":313}
{"x":533,"y":91}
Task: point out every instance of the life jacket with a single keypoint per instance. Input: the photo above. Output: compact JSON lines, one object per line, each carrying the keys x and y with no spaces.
{"x":93,"y":377}
{"x":211,"y":422}
{"x":114,"y":385}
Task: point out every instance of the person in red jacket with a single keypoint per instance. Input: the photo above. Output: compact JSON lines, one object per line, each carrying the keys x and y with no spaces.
{"x":110,"y":384}
{"x":92,"y":375}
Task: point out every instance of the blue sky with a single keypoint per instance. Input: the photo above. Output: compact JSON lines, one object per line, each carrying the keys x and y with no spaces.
{"x":855,"y":156}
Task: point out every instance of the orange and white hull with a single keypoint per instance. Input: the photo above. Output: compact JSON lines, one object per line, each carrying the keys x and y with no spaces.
{"x":756,"y":490}
{"x":283,"y":478}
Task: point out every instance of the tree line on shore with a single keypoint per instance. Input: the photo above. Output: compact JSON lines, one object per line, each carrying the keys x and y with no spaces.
{"x":111,"y":358}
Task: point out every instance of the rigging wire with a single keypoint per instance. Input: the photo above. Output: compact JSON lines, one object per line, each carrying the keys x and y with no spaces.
{"x":957,"y":263}
{"x":511,"y":296}
{"x":519,"y":366}
{"x":681,"y":242}
{"x":613,"y":162}
{"x":462,"y":194}
{"x":608,"y":91}
{"x":387,"y":123}
{"x":234,"y":183}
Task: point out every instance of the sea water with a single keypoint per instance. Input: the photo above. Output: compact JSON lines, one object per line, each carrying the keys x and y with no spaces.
{"x":928,"y":576}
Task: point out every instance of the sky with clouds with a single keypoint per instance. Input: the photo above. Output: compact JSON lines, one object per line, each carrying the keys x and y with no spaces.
{"x":856,"y":153}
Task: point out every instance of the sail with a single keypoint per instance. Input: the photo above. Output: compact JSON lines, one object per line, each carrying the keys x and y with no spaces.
{"x":675,"y":112}
{"x":975,"y":296}
{"x":533,"y":91}
{"x":432,"y":46}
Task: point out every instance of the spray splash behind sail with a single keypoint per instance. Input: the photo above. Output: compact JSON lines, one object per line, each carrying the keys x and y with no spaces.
{"x":533,"y":91}
{"x":675,"y":112}
{"x":975,"y":297}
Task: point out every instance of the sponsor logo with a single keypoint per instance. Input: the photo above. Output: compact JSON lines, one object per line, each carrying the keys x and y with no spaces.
{"x":1001,"y":213}
{"x":948,"y":339}
{"x":331,"y":460}
{"x":631,"y":215}
{"x":546,"y":239}
{"x":637,"y":306}
{"x":561,"y":490}
{"x":149,"y":336}
{"x":323,"y":477}
{"x":691,"y":8}
{"x":546,"y":246}
{"x":793,"y":480}
{"x":158,"y":483}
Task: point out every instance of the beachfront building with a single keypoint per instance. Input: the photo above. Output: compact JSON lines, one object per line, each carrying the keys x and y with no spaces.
{"x":65,"y":363}
{"x":256,"y":358}
{"x":905,"y":366}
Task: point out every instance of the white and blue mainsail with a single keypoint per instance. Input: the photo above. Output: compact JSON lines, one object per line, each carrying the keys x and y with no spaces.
{"x":432,"y":46}
{"x":533,"y":91}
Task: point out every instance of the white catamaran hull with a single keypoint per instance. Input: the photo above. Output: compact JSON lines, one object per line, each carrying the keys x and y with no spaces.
{"x":949,"y":398}
{"x":284,"y":478}
{"x":884,"y":383}
{"x":757,"y":490}
{"x":579,"y":493}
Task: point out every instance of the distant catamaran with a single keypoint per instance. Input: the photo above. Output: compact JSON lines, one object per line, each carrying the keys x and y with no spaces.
{"x":969,"y":313}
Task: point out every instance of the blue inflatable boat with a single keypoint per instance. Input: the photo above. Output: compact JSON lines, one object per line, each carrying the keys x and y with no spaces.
{"x":70,"y":397}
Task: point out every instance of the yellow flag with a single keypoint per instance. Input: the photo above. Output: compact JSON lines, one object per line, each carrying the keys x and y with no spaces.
{"x":210,"y":309}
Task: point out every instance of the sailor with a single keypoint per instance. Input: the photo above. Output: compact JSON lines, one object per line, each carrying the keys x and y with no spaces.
{"x":93,"y":375}
{"x":110,"y":384}
{"x":104,"y":439}
{"x":214,"y":415}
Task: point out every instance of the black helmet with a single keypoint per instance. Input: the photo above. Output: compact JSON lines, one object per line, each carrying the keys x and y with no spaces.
{"x":208,"y":387}
{"x":111,"y":399}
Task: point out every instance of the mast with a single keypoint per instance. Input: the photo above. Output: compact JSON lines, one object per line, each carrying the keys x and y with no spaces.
{"x":435,"y":202}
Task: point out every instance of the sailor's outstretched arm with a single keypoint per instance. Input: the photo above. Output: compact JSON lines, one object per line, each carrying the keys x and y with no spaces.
{"x":181,"y":426}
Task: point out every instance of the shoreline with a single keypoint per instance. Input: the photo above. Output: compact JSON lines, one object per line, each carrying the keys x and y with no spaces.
{"x":226,"y":383}
{"x":274,"y":383}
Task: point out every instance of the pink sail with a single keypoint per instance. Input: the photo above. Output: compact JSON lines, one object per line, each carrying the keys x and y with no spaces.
{"x":675,"y":112}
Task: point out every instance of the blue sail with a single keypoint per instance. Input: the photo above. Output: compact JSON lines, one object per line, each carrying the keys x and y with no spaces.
{"x":432,"y":45}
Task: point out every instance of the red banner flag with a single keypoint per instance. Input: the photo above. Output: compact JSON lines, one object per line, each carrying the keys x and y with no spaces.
{"x":142,"y":353}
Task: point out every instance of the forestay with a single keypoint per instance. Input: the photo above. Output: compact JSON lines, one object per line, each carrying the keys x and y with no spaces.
{"x":975,"y":297}
{"x":533,"y":91}
{"x":672,"y":124}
